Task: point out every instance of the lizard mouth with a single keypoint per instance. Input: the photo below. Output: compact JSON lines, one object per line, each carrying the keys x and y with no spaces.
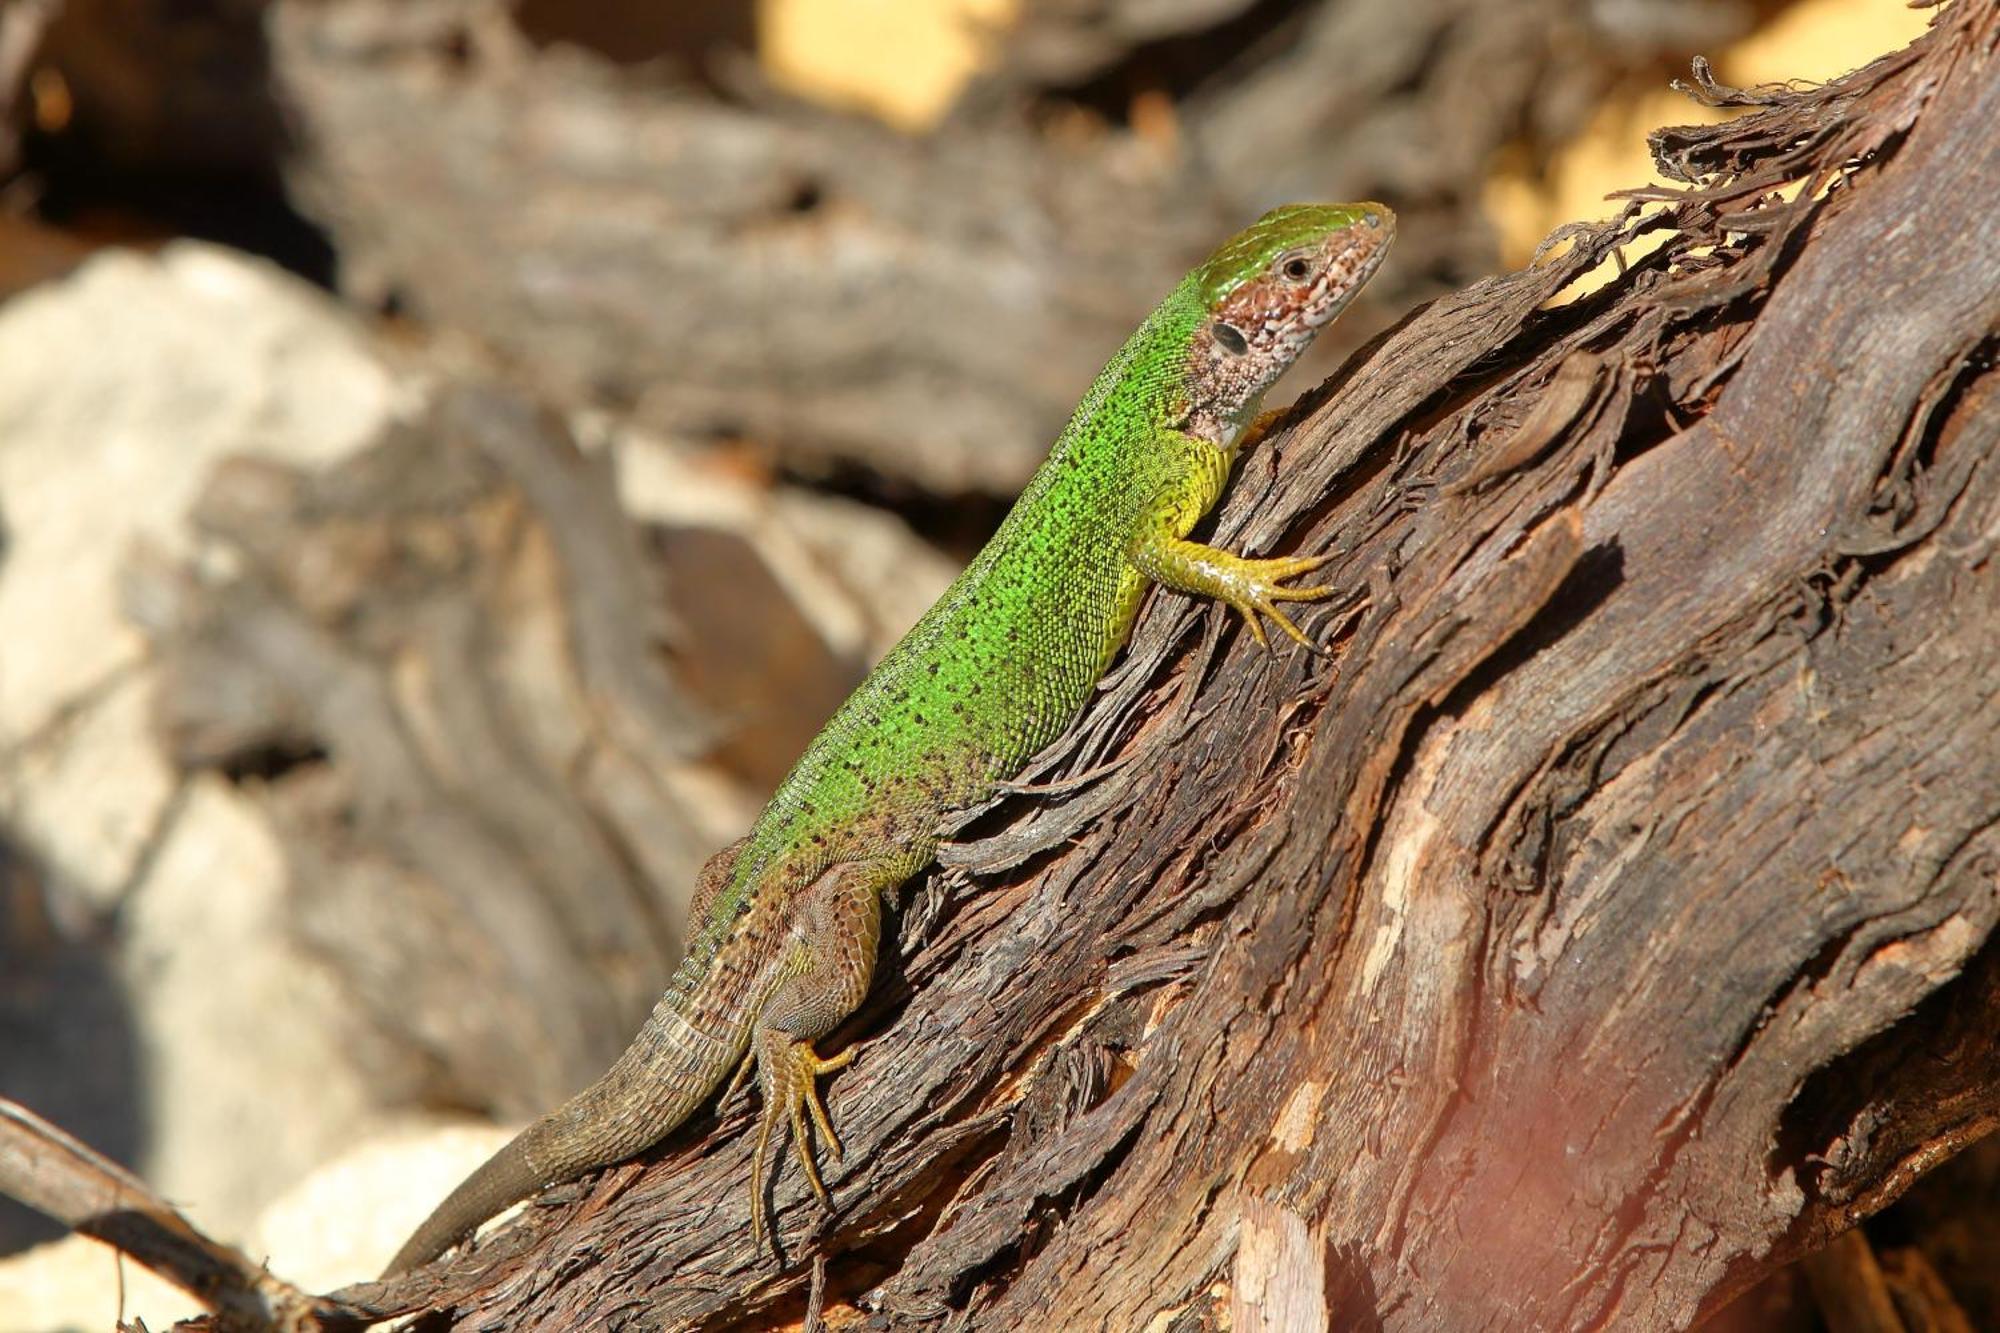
{"x":1360,"y":252}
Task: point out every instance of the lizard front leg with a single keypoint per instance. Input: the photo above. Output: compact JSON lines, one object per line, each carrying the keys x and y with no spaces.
{"x":828,"y":965}
{"x":1160,"y":549}
{"x":1263,"y":424}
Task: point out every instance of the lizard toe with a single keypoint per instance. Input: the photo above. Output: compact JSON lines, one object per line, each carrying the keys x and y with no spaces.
{"x":787,"y":1073}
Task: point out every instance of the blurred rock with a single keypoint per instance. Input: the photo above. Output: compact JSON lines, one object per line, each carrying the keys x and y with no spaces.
{"x":495,"y":725}
{"x":771,"y":711}
{"x":79,"y":1285}
{"x":91,"y":793}
{"x":245,"y":1030}
{"x":120,"y":386}
{"x":344,"y":1221}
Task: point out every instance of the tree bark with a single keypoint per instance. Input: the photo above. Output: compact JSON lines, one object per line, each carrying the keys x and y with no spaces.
{"x":1603,"y":922}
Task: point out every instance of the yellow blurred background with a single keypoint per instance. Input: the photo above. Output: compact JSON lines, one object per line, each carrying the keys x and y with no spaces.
{"x":904,"y":61}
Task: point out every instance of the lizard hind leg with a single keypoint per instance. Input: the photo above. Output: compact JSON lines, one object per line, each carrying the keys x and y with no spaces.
{"x":832,"y":960}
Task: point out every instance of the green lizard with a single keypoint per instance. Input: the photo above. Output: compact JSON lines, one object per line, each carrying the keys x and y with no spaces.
{"x":785,"y":923}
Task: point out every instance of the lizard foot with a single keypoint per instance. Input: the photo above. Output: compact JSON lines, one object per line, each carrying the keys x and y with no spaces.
{"x":788,"y":1073}
{"x":1255,"y":587}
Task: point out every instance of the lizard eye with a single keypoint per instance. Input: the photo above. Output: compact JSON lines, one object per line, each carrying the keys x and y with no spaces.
{"x":1231,"y":340}
{"x":1296,"y":268}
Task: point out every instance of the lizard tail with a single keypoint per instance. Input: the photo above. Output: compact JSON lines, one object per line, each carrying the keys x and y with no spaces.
{"x":652,"y":1089}
{"x":507,"y":1177}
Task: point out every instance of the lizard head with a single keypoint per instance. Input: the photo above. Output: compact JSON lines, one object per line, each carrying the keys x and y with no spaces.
{"x":1270,"y":288}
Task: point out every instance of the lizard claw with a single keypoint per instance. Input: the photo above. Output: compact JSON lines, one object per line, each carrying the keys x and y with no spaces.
{"x":788,"y":1073}
{"x":736,"y":1081}
{"x":1255,"y":587}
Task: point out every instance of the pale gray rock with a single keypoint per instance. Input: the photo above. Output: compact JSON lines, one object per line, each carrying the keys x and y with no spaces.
{"x":120,"y":387}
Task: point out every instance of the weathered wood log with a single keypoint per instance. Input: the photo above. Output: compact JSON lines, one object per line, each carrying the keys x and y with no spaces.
{"x":1608,"y":918}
